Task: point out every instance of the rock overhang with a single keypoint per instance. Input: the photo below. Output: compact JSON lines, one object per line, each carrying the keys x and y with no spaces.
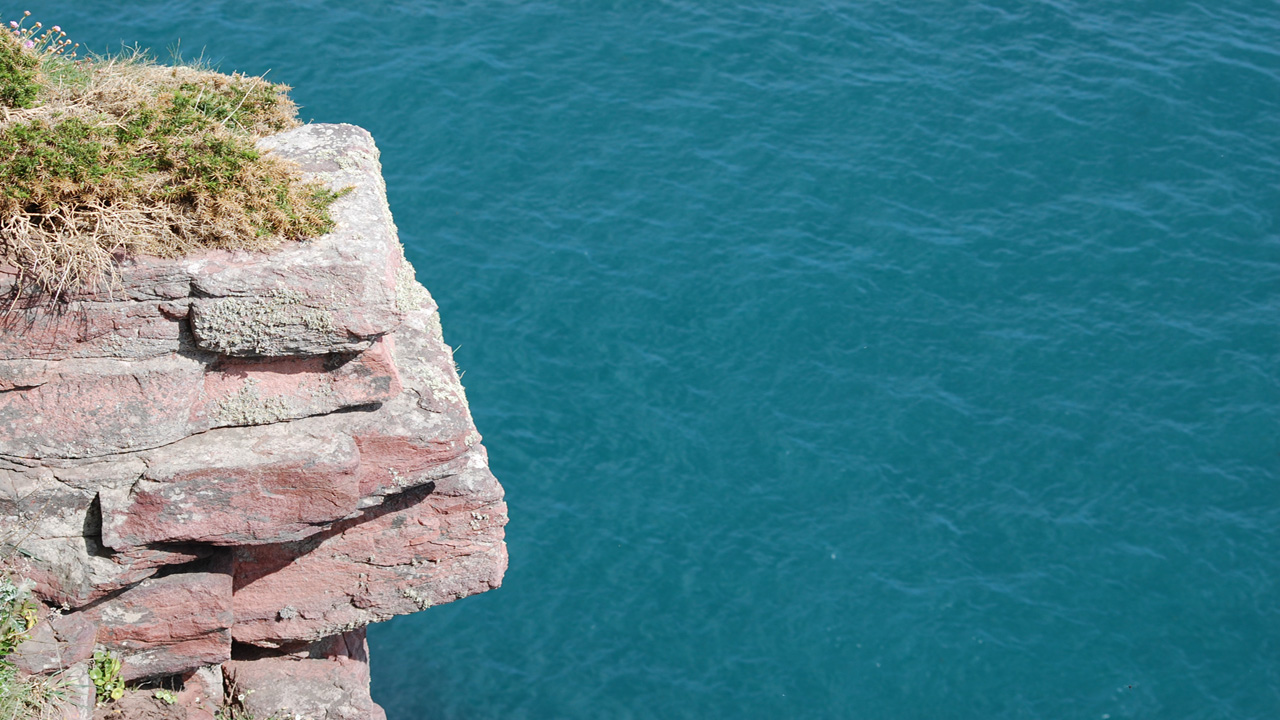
{"x":282,"y":437}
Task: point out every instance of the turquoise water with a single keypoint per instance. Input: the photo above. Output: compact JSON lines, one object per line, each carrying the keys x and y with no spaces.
{"x":840,"y":360}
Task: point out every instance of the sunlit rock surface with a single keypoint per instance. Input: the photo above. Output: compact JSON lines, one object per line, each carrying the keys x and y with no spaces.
{"x":248,"y":455}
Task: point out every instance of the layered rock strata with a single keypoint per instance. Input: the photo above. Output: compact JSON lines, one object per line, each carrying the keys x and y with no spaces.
{"x":248,"y":456}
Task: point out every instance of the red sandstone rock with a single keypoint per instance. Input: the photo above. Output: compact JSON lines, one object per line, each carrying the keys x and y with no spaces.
{"x":302,"y":407}
{"x":87,"y":408}
{"x":257,"y":392}
{"x":55,"y":643}
{"x":417,"y":550}
{"x":169,"y":625}
{"x":306,"y":302}
{"x":76,"y":571}
{"x":334,"y":294}
{"x":121,"y":330}
{"x":236,"y":486}
{"x":112,"y":371}
{"x":201,"y":693}
{"x":22,"y":374}
{"x":427,"y":425}
{"x":52,"y":515}
{"x":329,"y":681}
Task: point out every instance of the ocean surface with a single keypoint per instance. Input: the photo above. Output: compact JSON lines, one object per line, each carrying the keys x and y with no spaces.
{"x":840,"y":360}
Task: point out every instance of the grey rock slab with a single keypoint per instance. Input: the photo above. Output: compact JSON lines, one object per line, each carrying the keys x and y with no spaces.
{"x":336,"y":293}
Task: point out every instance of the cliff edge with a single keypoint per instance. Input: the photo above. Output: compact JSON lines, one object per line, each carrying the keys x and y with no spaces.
{"x":224,"y":466}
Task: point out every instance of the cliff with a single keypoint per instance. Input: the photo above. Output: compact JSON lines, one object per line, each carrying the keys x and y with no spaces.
{"x":223,"y":467}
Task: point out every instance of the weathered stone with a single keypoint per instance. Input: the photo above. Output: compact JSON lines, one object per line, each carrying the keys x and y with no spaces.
{"x":56,"y":643}
{"x":77,"y":693}
{"x":92,"y":408}
{"x":168,"y":625}
{"x":300,"y":407}
{"x":201,"y":693}
{"x":41,"y":652}
{"x":140,"y":278}
{"x":88,"y":408}
{"x":236,"y":486}
{"x":51,"y":514}
{"x":34,"y":502}
{"x":334,"y":294}
{"x":76,"y":571}
{"x":259,"y":392}
{"x":329,"y":681}
{"x":120,"y":330}
{"x":22,"y":374}
{"x":423,"y":547}
{"x":108,"y":372}
{"x":426,"y":425}
{"x":93,"y":475}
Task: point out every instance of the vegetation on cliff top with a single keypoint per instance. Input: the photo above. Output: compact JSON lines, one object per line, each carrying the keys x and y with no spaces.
{"x":111,"y":156}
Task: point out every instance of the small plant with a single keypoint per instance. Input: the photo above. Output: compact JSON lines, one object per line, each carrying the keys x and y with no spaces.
{"x":23,"y":52}
{"x":40,"y":42}
{"x":105,"y":674}
{"x":168,"y":697}
{"x":33,"y":697}
{"x":18,"y":86}
{"x":17,"y":614}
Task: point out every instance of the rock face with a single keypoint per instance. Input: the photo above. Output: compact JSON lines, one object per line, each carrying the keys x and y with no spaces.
{"x":248,"y":454}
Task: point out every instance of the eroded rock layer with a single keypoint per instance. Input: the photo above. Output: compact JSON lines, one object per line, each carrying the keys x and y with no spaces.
{"x":270,"y":451}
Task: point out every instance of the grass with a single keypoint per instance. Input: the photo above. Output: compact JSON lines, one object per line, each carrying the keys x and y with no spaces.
{"x":21,"y":696}
{"x":24,"y":698}
{"x":107,"y":157}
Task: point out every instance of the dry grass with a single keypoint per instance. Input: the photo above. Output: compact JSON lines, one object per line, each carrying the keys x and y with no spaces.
{"x":119,"y":156}
{"x":30,"y":697}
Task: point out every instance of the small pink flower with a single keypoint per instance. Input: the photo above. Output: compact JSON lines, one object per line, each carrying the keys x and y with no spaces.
{"x":57,"y":29}
{"x":30,"y":44}
{"x":13,"y":23}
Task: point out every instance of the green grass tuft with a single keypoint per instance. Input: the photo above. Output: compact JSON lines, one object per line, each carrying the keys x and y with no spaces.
{"x":113,"y":155}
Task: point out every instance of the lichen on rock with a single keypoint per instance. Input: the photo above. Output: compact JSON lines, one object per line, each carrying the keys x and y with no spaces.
{"x":248,"y":407}
{"x":256,"y":325}
{"x":411,"y":296}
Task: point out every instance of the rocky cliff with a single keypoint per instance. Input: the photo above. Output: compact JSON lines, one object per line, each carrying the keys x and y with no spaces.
{"x":223,"y":467}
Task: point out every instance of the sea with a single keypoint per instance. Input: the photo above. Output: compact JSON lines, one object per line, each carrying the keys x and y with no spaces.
{"x":839,"y":359}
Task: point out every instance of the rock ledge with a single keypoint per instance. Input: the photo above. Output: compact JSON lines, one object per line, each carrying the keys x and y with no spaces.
{"x":248,"y":455}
